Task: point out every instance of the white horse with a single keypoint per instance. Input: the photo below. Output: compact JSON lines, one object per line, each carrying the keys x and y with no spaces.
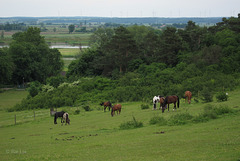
{"x":65,"y":118}
{"x":156,"y":99}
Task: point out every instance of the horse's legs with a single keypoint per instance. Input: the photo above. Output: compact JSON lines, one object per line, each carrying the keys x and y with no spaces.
{"x":168,"y":107}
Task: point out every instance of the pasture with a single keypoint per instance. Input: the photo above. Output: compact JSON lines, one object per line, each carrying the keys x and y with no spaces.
{"x":95,"y":135}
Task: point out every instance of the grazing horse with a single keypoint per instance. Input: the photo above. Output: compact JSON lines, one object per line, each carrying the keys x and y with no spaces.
{"x":117,"y":108}
{"x":188,"y":95}
{"x":106,"y":104}
{"x":161,"y":103}
{"x":58,"y":114}
{"x":65,"y":119}
{"x":168,"y":100}
{"x":156,"y":99}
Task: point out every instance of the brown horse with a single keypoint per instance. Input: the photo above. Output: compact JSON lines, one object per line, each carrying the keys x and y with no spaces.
{"x":188,"y":95}
{"x":168,"y":100}
{"x":117,"y":108}
{"x":161,"y":103}
{"x":106,"y":104}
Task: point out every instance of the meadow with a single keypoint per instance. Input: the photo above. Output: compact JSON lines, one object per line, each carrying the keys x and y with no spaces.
{"x":95,"y":135}
{"x":61,"y":36}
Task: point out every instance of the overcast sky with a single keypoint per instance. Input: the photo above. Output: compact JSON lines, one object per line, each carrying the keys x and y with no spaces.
{"x":120,"y":8}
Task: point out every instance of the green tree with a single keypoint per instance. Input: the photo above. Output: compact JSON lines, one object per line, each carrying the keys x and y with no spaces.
{"x":121,"y":49}
{"x":33,"y":58}
{"x":171,"y":44}
{"x":34,"y":89}
{"x":6,"y":66}
{"x":71,"y":28}
{"x":2,"y":35}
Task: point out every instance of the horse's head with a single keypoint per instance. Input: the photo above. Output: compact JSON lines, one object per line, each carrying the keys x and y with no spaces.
{"x":68,"y":121}
{"x":101,"y":103}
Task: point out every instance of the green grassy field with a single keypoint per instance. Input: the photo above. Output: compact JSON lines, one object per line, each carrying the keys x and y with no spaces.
{"x":61,"y":36}
{"x":96,"y":135}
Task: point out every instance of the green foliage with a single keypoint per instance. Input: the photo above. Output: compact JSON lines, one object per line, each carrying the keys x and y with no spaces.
{"x":77,"y":111}
{"x":207,"y":95}
{"x":55,"y":81}
{"x":6,"y":66}
{"x":35,"y":88}
{"x":87,"y":108}
{"x":212,"y":112}
{"x":159,"y":120}
{"x":71,"y":28}
{"x":180,"y":119}
{"x":144,"y":106}
{"x":32,"y":57}
{"x":222,"y":96}
{"x":131,"y":124}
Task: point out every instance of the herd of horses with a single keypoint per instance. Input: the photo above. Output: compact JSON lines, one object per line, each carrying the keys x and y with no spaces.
{"x":164,"y":104}
{"x":165,"y":101}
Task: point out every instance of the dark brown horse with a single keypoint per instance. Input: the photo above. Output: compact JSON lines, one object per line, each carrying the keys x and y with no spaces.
{"x":188,"y":95}
{"x":117,"y":108}
{"x":161,"y":103}
{"x":168,"y":100}
{"x":106,"y":104}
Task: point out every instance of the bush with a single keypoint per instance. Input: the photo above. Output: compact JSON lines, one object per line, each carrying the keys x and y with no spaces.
{"x":131,"y":124}
{"x":212,"y":112}
{"x":180,"y":119}
{"x":77,"y":112}
{"x":86,"y":108}
{"x":144,"y":106}
{"x":159,"y":120}
{"x":207,"y":95}
{"x":222,"y":96}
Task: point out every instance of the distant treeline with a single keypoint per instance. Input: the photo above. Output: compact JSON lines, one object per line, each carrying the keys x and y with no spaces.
{"x":126,"y":20}
{"x":14,"y":26}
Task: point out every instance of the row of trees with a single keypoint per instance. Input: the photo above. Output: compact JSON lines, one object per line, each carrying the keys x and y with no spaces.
{"x":120,"y":50}
{"x":14,"y":26}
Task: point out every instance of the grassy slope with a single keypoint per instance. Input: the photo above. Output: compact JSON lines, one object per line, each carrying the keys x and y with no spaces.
{"x":96,"y":136}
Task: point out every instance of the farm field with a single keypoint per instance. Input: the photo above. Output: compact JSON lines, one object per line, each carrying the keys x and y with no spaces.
{"x":95,"y":135}
{"x":61,"y":36}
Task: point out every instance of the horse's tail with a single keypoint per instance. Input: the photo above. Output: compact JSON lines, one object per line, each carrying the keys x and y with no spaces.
{"x":178,"y":103}
{"x":55,"y":118}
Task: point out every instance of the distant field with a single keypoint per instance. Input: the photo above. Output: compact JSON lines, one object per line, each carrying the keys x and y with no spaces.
{"x":69,"y":53}
{"x":62,"y":36}
{"x":68,"y":56}
{"x":96,"y":135}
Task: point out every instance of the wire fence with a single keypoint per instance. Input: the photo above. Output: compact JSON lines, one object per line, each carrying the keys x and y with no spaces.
{"x":15,"y":118}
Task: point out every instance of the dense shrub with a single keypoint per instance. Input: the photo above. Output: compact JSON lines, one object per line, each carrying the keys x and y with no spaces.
{"x":144,"y":106}
{"x":212,"y":112}
{"x":77,"y":111}
{"x":222,"y":96}
{"x":131,"y":124}
{"x":159,"y":120}
{"x":207,"y":95}
{"x":180,"y":119}
{"x":87,"y":108}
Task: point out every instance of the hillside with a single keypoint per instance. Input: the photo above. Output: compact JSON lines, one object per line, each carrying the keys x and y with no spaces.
{"x":95,"y":135}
